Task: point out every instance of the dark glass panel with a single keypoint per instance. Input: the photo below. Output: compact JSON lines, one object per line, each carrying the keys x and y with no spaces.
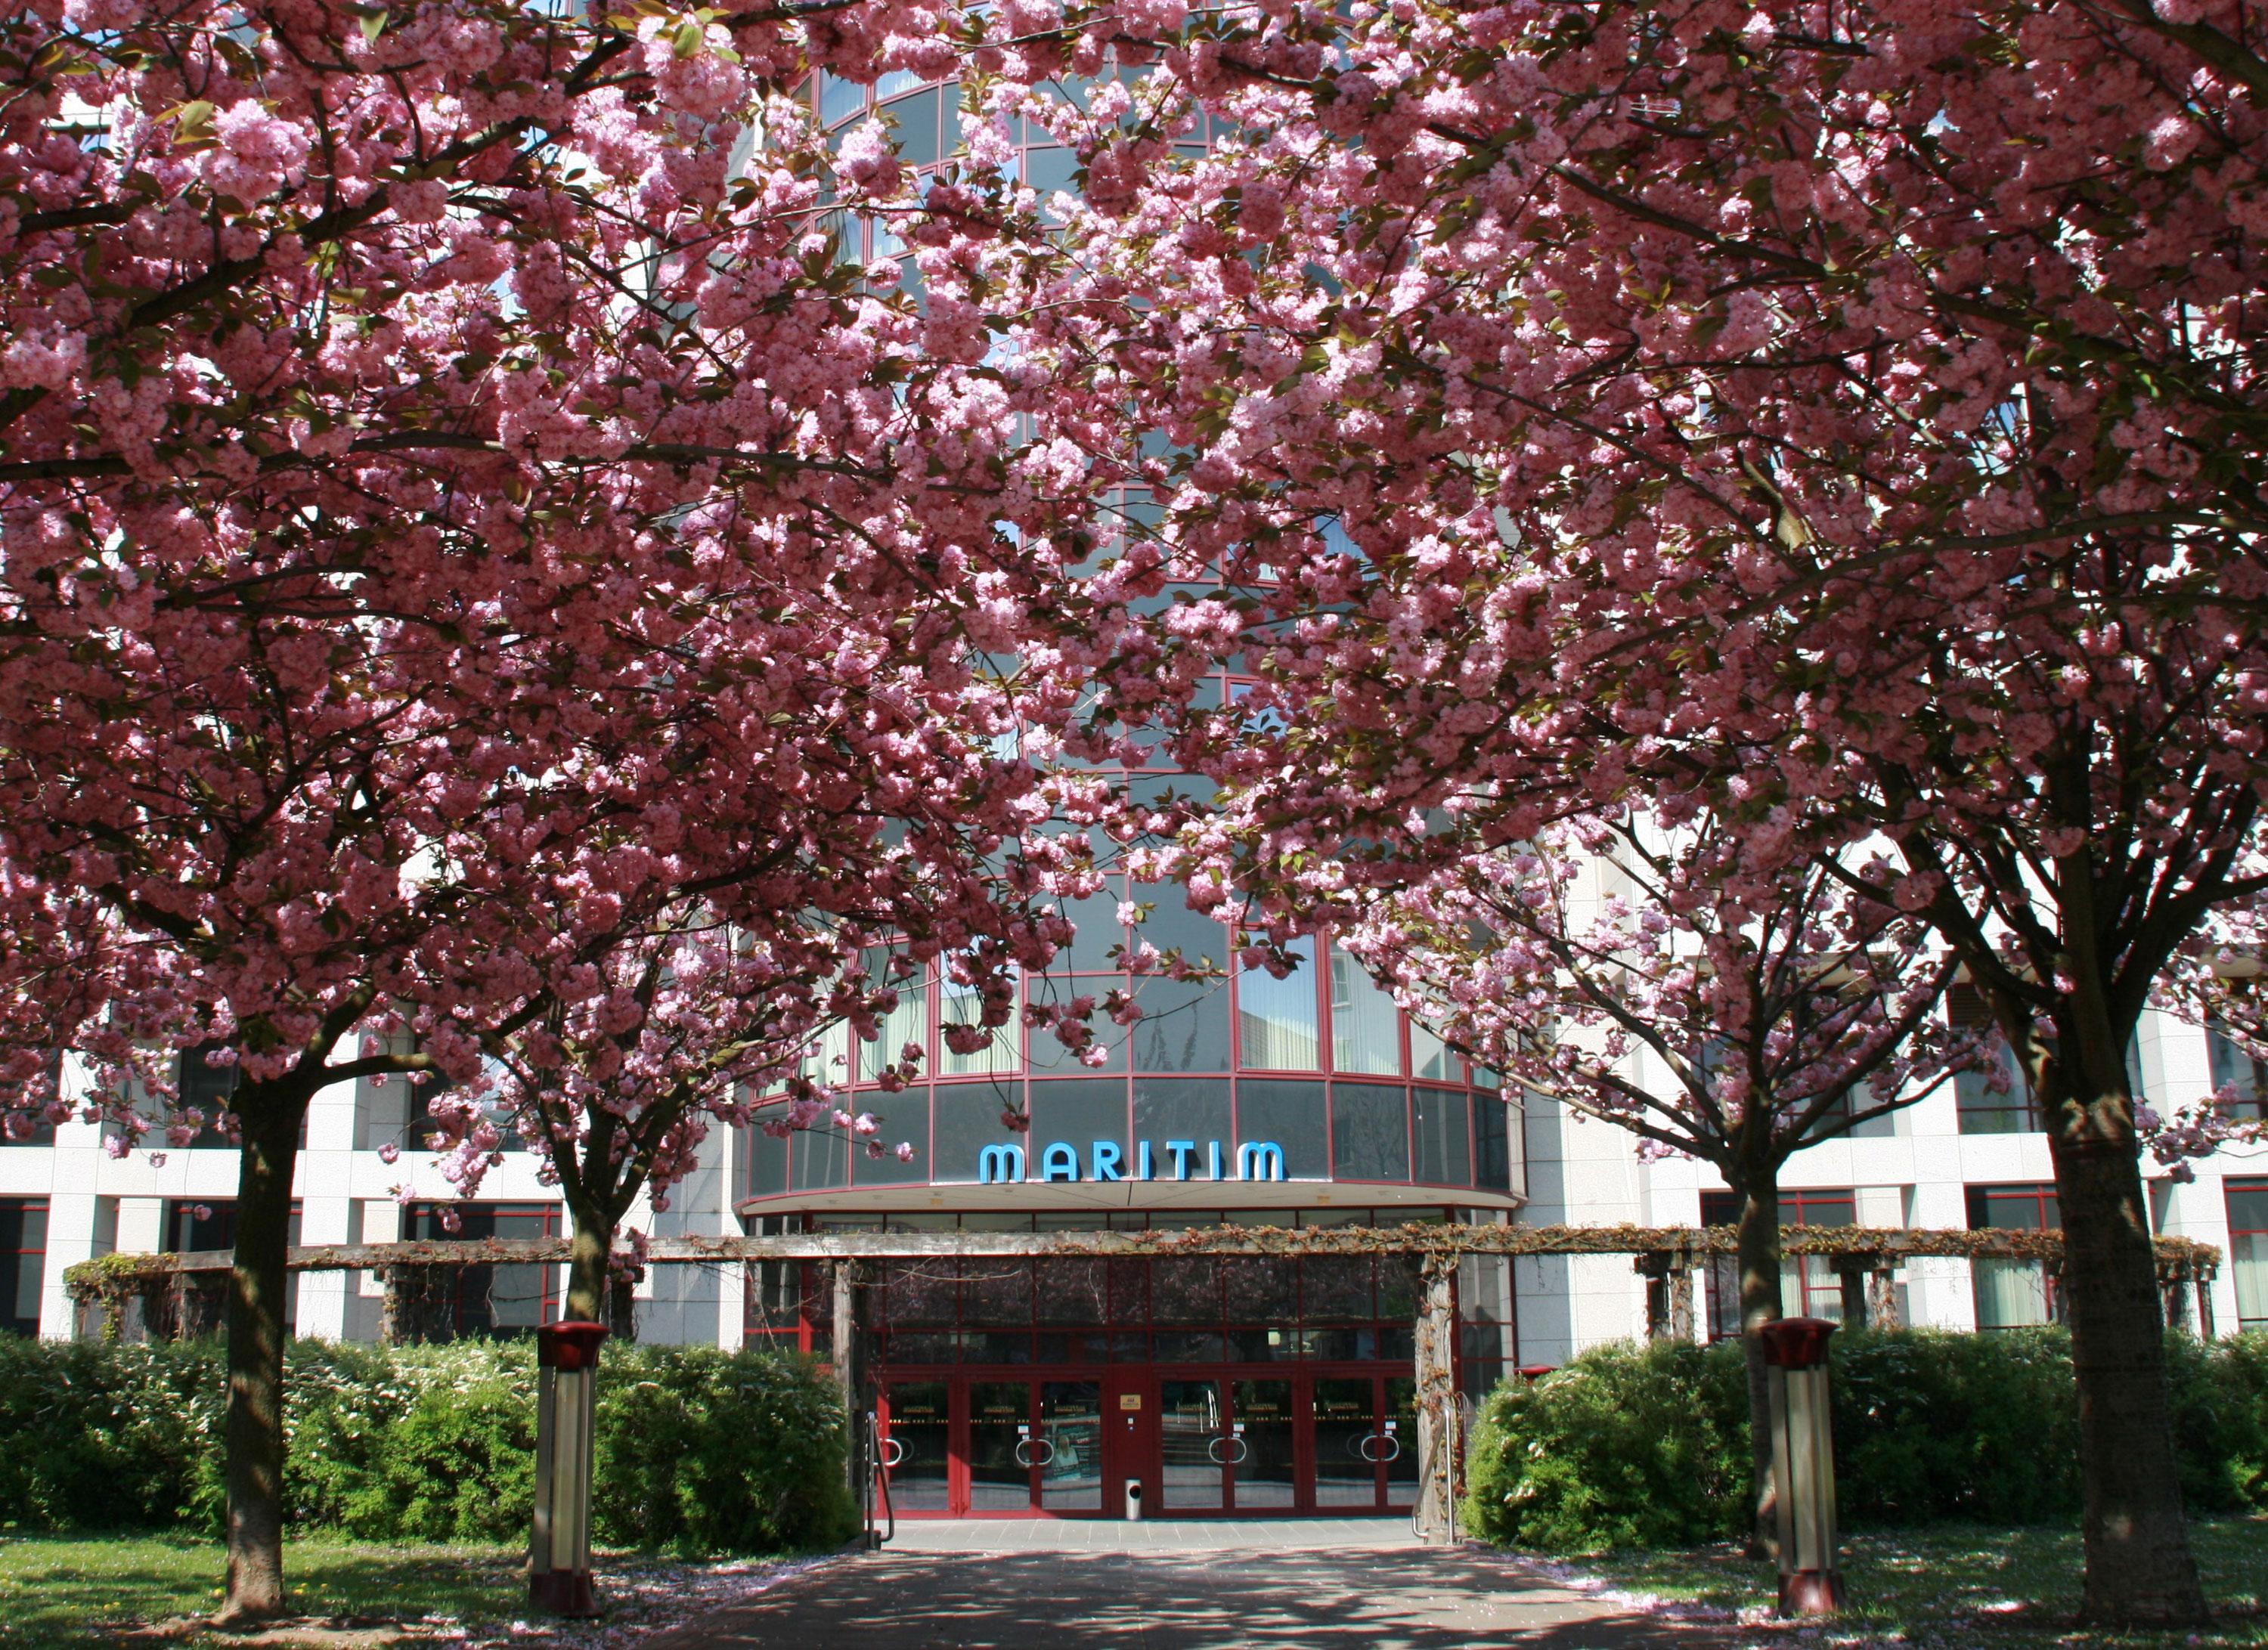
{"x":1000,"y":1452}
{"x":1397,"y":1288}
{"x":1185,"y":1289}
{"x":1170,"y":1108}
{"x":1370,"y":1132}
{"x":1266,"y":1470}
{"x":820,"y":1157}
{"x":1491,"y":1143}
{"x":918,"y":1293}
{"x":1444,"y":1152}
{"x":903,"y":1118}
{"x":1071,"y":1292}
{"x":967,"y":1120}
{"x":1078,"y":1113}
{"x":1190,"y":1346}
{"x":1194,"y":1446}
{"x":767,"y":1163}
{"x":1259,"y":1289}
{"x":915,"y":1448}
{"x":1335,"y":1289}
{"x":1071,"y":1430}
{"x":1171,"y":924}
{"x":995,"y":1293}
{"x":1184,"y":1025}
{"x":1290,"y":1114}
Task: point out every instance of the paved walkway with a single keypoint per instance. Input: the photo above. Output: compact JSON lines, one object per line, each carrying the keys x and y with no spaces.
{"x":1279,"y":1596}
{"x":1157,"y":1534}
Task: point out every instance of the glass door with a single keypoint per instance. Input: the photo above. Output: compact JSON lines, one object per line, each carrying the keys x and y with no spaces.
{"x":1347,"y":1441}
{"x":1260,"y":1447}
{"x":1070,"y":1446}
{"x":1004,"y":1455}
{"x":1198,"y":1448}
{"x":917,"y":1431}
{"x":1397,"y":1449}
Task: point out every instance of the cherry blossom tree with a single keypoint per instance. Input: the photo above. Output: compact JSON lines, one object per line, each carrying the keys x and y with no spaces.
{"x":1656,"y":982}
{"x":409,"y":420}
{"x":1844,"y":408}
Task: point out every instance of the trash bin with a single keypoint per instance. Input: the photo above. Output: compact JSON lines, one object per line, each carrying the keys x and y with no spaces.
{"x":1133,"y":1501}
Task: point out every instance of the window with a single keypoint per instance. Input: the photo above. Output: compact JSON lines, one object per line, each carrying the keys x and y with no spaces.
{"x":38,"y":1131}
{"x":205,"y":1086}
{"x":2244,"y":1074}
{"x":907,"y":1023}
{"x":2248,"y":1249}
{"x":2010,"y":1293}
{"x":964,"y":1005}
{"x":193,"y":1225}
{"x":496,"y":1106}
{"x":1809,"y":1285}
{"x":498,"y":1301}
{"x":1365,"y":1029}
{"x":1982,"y":1109}
{"x":1275,"y":1018}
{"x":23,"y":1262}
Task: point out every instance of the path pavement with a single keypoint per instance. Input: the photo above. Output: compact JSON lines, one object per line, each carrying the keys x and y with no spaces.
{"x":1277,"y":1593}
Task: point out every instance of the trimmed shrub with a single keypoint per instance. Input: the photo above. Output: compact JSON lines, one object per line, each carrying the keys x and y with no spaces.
{"x":1628,"y":1446}
{"x":702,"y":1452}
{"x":698,"y":1452}
{"x":1647,"y":1445}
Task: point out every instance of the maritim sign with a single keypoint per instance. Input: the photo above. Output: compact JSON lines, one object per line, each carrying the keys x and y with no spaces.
{"x":1002,"y":1163}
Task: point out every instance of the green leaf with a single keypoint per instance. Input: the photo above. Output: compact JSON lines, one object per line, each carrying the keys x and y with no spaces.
{"x":686,"y":41}
{"x":373,"y":24}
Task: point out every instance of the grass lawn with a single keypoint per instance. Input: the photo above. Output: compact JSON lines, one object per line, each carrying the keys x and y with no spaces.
{"x":56,"y":1591}
{"x":1951,"y":1586}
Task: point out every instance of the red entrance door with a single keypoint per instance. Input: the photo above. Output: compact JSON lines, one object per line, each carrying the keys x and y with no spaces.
{"x":1129,"y":1433}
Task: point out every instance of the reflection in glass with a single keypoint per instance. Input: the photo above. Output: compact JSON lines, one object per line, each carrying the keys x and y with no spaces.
{"x":914,"y":1447}
{"x":1275,"y":1018}
{"x":1346,"y":1443}
{"x":1194,"y":1445}
{"x":1365,"y":1034}
{"x":1071,"y":1446}
{"x":961,"y":1005}
{"x":1370,"y":1132}
{"x":1430,"y":1058}
{"x":1001,"y":1455}
{"x":906,"y":1022}
{"x":1265,"y":1471}
{"x":1400,"y":1447}
{"x":1184,"y":1025}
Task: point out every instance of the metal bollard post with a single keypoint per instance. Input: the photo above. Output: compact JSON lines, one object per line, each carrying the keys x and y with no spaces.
{"x":559,"y":1543}
{"x":1803,"y":1461}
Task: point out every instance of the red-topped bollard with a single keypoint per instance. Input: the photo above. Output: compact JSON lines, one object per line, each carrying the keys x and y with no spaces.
{"x":1803,"y":1462}
{"x":559,"y":1545}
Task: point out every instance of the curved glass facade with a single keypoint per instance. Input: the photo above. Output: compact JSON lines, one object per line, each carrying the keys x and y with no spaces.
{"x":1284,"y":1088}
{"x":1273,"y":1084}
{"x":1056,"y":1387}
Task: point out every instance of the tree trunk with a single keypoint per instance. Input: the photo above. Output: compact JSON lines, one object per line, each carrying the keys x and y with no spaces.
{"x":586,"y":1265}
{"x":269,"y":1115}
{"x":1757,"y":1256}
{"x":2140,"y":1570}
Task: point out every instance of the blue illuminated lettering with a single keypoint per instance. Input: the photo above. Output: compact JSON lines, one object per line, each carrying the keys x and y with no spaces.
{"x":1004,"y":1164}
{"x":999,"y":1164}
{"x":1260,"y":1160}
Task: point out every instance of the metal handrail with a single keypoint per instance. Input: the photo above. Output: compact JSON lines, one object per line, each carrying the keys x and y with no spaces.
{"x":881,"y":1476}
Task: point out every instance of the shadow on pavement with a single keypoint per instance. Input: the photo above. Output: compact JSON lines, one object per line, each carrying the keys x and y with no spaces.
{"x":1195,"y":1601}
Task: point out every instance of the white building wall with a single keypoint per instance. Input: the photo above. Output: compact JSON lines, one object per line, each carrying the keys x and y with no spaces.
{"x":1915,"y":1171}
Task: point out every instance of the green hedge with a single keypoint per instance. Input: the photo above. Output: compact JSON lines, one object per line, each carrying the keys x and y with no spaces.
{"x":1648,"y":1446}
{"x":699,"y":1452}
